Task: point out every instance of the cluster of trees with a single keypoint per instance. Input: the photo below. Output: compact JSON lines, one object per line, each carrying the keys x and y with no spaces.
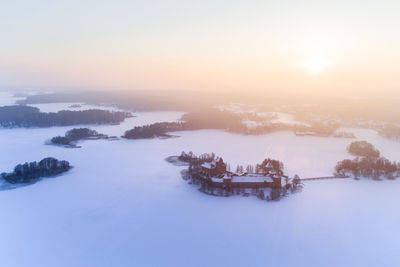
{"x":76,"y":134}
{"x":190,"y":157}
{"x":25,"y":116}
{"x":367,"y":164}
{"x":374,"y":167}
{"x":29,"y":172}
{"x":277,"y":166}
{"x":159,"y":129}
{"x":363,"y":149}
{"x":195,"y":162}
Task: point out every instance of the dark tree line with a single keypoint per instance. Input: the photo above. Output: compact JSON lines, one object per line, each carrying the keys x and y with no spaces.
{"x":368,"y":167}
{"x":25,"y":116}
{"x":76,"y":134}
{"x":206,"y":119}
{"x":159,"y":129}
{"x":29,"y":172}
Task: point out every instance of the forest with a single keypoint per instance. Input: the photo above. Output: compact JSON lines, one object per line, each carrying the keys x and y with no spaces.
{"x":26,"y":116}
{"x":368,"y":163}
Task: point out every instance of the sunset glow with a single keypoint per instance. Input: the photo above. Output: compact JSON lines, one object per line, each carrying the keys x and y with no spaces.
{"x":185,"y":46}
{"x":316,"y":65}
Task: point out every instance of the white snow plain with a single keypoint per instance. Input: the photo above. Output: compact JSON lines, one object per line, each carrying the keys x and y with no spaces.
{"x":123,"y":205}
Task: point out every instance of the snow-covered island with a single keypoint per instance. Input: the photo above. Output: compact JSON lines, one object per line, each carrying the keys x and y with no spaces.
{"x":33,"y":171}
{"x":367,"y":164}
{"x":72,"y":136}
{"x":26,"y":116}
{"x":266,"y":180}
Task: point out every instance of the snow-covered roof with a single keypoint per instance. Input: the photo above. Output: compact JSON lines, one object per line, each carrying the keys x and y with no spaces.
{"x":208,"y":165}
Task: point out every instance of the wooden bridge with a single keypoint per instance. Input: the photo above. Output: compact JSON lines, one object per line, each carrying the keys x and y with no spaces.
{"x":323,"y":178}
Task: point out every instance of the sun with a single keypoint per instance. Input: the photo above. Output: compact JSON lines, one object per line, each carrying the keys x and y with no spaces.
{"x":316,"y":64}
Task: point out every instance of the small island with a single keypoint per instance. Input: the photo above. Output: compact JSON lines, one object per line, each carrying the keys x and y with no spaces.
{"x":33,"y":171}
{"x":156,"y":130}
{"x":72,"y":136}
{"x":367,"y":164}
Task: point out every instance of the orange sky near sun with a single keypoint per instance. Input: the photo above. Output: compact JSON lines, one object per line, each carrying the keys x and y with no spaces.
{"x":213,"y":45}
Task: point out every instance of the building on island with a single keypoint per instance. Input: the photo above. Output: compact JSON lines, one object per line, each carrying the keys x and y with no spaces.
{"x":215,"y":174}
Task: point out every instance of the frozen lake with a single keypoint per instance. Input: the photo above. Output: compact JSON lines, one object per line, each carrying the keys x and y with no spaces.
{"x":123,"y":205}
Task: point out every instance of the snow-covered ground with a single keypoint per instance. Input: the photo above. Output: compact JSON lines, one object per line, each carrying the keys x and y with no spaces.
{"x":123,"y":205}
{"x":7,"y":98}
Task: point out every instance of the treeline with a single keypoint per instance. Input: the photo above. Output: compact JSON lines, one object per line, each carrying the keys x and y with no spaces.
{"x":208,"y":119}
{"x":367,"y":164}
{"x":75,"y":135}
{"x":159,"y":129}
{"x":276,"y":165}
{"x":25,"y":116}
{"x":223,"y":120}
{"x":32,"y":171}
{"x":372,"y":167}
{"x":196,"y":160}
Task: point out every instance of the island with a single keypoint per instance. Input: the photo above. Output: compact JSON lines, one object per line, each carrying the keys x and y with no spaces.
{"x":26,"y":116}
{"x":33,"y":171}
{"x":266,"y":180}
{"x":72,"y":136}
{"x":233,"y":123}
{"x":367,"y":164}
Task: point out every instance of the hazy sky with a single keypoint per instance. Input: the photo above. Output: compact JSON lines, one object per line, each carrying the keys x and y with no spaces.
{"x":318,"y":46}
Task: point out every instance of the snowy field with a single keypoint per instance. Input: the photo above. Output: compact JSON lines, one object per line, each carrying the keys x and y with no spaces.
{"x":123,"y":205}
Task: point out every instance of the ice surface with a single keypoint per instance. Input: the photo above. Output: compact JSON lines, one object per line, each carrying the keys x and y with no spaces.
{"x":7,"y":98}
{"x":123,"y":205}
